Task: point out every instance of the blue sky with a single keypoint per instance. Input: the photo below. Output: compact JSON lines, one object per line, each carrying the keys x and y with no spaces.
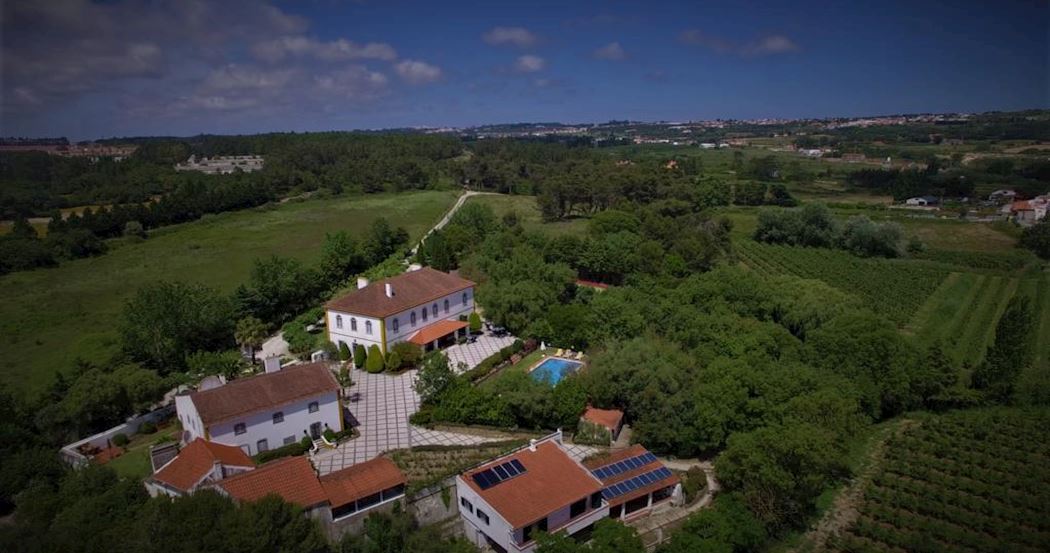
{"x":90,"y":69}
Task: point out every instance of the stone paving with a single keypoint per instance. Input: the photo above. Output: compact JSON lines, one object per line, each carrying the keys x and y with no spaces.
{"x":380,"y":405}
{"x":471,"y":354}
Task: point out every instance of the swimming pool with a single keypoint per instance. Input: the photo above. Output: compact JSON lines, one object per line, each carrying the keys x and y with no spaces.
{"x":553,"y":369}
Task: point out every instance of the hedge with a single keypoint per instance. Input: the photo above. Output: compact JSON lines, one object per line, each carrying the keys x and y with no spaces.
{"x":290,"y":450}
{"x":494,"y":361}
{"x":359,"y":356}
{"x":374,"y":363}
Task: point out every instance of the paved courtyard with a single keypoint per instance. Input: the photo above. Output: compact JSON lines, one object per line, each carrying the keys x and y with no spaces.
{"x":381,"y":405}
{"x":473,"y":354}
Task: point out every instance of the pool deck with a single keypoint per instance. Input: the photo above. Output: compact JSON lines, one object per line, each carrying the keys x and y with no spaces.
{"x":546,"y":358}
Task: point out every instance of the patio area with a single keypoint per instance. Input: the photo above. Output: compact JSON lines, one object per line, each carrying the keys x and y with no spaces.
{"x":471,"y":354}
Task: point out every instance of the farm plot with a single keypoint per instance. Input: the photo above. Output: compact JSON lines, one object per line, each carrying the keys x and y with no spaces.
{"x":973,"y":481}
{"x":894,"y":288}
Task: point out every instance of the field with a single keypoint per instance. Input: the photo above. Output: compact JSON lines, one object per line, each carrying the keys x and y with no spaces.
{"x":50,"y":317}
{"x":974,"y":481}
{"x":529,"y":214}
{"x":894,"y":288}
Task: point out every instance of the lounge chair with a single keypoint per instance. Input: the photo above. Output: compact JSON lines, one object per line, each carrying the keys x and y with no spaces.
{"x":558,"y":353}
{"x":579,"y":356}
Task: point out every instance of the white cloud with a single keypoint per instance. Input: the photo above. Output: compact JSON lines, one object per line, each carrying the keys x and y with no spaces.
{"x":764,"y":46}
{"x":612,"y":52}
{"x":356,"y":82}
{"x":529,"y":64}
{"x":279,"y":49}
{"x":516,"y":36}
{"x":236,"y":77}
{"x":417,"y":72}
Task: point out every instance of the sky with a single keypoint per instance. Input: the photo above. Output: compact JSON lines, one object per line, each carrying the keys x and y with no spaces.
{"x":91,"y":69}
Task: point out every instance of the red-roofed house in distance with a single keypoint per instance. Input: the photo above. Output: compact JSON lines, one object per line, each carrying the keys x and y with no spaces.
{"x":198,"y":464}
{"x":538,"y":487}
{"x":422,"y":306}
{"x":634,"y":482}
{"x":610,"y":420}
{"x":265,"y":411}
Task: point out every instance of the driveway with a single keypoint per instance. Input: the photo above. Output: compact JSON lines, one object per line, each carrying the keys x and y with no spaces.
{"x":381,"y":404}
{"x":471,"y":354}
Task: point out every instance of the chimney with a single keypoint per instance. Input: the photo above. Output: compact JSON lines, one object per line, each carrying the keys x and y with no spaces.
{"x":361,"y":282}
{"x":389,"y":290}
{"x":272,"y":364}
{"x":532,"y":444}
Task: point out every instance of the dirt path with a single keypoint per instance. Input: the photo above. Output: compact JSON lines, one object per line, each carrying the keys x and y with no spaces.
{"x":448,"y":216}
{"x":844,"y":510}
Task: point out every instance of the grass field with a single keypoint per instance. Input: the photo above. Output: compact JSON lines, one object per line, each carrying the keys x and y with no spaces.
{"x":529,"y":214}
{"x":972,"y":481}
{"x":49,"y":317}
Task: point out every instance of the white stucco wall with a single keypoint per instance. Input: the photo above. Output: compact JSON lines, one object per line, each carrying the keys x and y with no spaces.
{"x":297,"y":421}
{"x":405,"y":328}
{"x":498,"y":529}
{"x":186,"y":412}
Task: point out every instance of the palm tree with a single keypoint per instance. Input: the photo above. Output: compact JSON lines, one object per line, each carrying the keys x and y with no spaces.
{"x":250,"y":334}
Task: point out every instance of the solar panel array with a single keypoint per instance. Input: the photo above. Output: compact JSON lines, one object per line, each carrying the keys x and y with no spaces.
{"x":503,"y":471}
{"x":632,"y":484}
{"x":632,"y":463}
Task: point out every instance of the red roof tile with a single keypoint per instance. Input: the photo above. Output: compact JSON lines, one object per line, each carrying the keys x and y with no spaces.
{"x":435,"y":331}
{"x":552,"y":480}
{"x":292,"y":478}
{"x":362,"y":480}
{"x":196,"y":460}
{"x":262,"y":392}
{"x":411,"y":289}
{"x":609,"y":418}
{"x":592,"y":284}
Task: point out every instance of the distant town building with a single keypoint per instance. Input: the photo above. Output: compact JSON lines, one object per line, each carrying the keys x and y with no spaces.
{"x":221,"y":165}
{"x":60,"y":147}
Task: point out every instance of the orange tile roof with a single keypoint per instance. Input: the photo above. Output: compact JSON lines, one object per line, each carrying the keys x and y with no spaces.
{"x":592,"y":284}
{"x":262,"y":392}
{"x":362,"y":480}
{"x":1021,"y":206}
{"x":609,"y":418}
{"x":633,"y":451}
{"x":292,"y":478}
{"x":196,"y":460}
{"x":552,"y":480}
{"x":411,"y":289}
{"x":435,"y":331}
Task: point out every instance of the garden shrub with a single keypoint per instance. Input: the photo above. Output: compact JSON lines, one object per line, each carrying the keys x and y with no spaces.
{"x":329,"y":434}
{"x":359,"y":356}
{"x":475,"y":322}
{"x":306,"y":442}
{"x":694,"y":482}
{"x":409,"y":354}
{"x":344,"y":351}
{"x":393,"y":361}
{"x":375,"y":362}
{"x":120,"y":440}
{"x":290,"y":450}
{"x":147,"y":427}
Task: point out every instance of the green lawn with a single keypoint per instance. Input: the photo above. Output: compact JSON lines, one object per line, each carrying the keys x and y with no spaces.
{"x":49,"y":317}
{"x":529,"y":214}
{"x":520,"y":366}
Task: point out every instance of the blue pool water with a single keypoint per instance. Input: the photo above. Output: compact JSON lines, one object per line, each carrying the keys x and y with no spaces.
{"x":554,"y":369}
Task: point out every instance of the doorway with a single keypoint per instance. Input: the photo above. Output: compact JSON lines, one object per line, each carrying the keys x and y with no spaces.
{"x":315,"y":430}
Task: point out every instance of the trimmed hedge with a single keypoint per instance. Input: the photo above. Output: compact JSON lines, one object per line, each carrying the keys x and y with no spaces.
{"x":375,"y":362}
{"x":359,"y":356}
{"x":495,"y":361}
{"x":120,"y":440}
{"x":290,"y":450}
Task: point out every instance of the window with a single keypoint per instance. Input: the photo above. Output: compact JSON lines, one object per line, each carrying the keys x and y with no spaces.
{"x":289,"y":440}
{"x":538,"y":526}
{"x":278,"y":417}
{"x":239,"y":428}
{"x":464,"y":298}
{"x":262,"y":446}
{"x":446,"y":305}
{"x":412,"y":318}
{"x":434,"y":310}
{"x":482,"y":516}
{"x":466,"y":505}
{"x":424,"y":312}
{"x":395,"y":325}
{"x":577,"y":509}
{"x":339,"y":321}
{"x":368,"y":327}
{"x":312,"y":407}
{"x":353,"y":324}
{"x":596,"y":500}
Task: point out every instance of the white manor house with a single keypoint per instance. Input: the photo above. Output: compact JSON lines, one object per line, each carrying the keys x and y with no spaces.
{"x":423,"y":306}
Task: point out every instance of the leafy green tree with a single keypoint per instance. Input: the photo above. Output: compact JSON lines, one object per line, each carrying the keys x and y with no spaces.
{"x":434,"y":377}
{"x":250,"y":334}
{"x":165,"y":321}
{"x":383,"y":241}
{"x":475,"y":322}
{"x":612,"y":221}
{"x":226,"y":363}
{"x":436,"y":252}
{"x":1037,"y":238}
{"x":727,"y":526}
{"x":341,"y":257}
{"x":278,"y":288}
{"x":393,"y":361}
{"x":344,"y":352}
{"x":271,"y":524}
{"x":409,"y":354}
{"x":374,"y":363}
{"x":359,"y":356}
{"x":780,"y":470}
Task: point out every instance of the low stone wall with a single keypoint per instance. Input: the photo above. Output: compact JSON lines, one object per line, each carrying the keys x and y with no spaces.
{"x":428,"y":505}
{"x":70,"y":454}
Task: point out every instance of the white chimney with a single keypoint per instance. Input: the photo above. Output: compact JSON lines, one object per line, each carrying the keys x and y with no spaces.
{"x":389,"y":290}
{"x":414,"y":267}
{"x":532,"y":444}
{"x":272,"y":364}
{"x":361,"y":282}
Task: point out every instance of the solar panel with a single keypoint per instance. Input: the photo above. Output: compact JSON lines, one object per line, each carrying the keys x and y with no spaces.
{"x":483,"y":479}
{"x":511,"y":471}
{"x":500,"y":472}
{"x":635,"y":483}
{"x":517,"y":464}
{"x":619,"y":467}
{"x":504,"y":471}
